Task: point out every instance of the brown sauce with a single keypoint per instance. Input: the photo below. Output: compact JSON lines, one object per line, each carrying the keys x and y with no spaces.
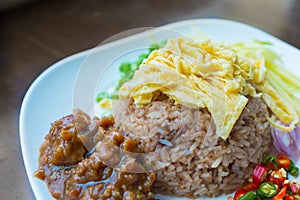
{"x":72,"y":168}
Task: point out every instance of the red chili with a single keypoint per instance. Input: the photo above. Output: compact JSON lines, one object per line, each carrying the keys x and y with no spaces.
{"x":270,"y":166}
{"x":287,"y":185}
{"x":290,"y":197}
{"x":280,"y":195}
{"x":250,"y":187}
{"x":276,"y":178}
{"x":283,"y":161}
{"x":259,"y":174}
{"x":239,"y":193}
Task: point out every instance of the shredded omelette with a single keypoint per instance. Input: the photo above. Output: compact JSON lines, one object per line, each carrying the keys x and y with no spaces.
{"x":209,"y":75}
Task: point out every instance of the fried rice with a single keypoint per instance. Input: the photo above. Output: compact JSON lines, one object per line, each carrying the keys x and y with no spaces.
{"x":210,"y":166}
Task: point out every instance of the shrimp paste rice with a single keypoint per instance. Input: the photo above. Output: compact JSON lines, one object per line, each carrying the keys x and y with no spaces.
{"x":216,"y":97}
{"x":211,"y":166}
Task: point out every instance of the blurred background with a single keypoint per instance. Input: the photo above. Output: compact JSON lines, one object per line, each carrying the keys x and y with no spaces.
{"x":36,"y":34}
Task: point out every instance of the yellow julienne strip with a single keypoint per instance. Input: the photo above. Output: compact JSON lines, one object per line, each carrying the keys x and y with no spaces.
{"x":284,"y":82}
{"x":285,"y":75}
{"x":290,"y":97}
{"x":287,"y":88}
{"x":287,"y":97}
{"x":279,"y":107}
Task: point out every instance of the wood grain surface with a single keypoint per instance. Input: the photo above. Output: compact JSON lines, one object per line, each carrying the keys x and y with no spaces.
{"x":36,"y":35}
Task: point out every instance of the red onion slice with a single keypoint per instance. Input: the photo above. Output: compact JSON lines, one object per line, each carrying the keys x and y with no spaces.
{"x":287,"y":142}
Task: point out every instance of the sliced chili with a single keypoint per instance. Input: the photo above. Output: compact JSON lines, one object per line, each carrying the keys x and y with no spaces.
{"x":288,"y":186}
{"x":294,"y":171}
{"x":283,"y":161}
{"x":291,"y":165}
{"x":280,"y":194}
{"x":276,"y":177}
{"x":290,"y":197}
{"x":250,"y":186}
{"x":259,"y":174}
{"x":269,"y":158}
{"x":260,"y":195}
{"x":270,"y":181}
{"x":239,"y":193}
{"x":268,"y":189}
{"x":270,"y":166}
{"x":248,"y":196}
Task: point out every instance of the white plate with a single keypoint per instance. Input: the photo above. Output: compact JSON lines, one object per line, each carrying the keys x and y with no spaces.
{"x":51,"y":95}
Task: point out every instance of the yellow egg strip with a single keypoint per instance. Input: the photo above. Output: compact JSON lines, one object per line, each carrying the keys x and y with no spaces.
{"x":209,"y":75}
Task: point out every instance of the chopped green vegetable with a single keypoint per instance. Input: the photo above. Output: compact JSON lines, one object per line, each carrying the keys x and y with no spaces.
{"x":125,"y":67}
{"x":106,"y":95}
{"x":141,"y":58}
{"x":101,"y":96}
{"x":157,"y":45}
{"x":263,"y":42}
{"x":127,"y":70}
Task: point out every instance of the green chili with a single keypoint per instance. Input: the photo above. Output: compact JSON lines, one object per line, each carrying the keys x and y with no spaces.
{"x":248,"y":196}
{"x":291,"y":165}
{"x":294,"y":171}
{"x":260,"y":195}
{"x":267,"y":189}
{"x":270,"y":159}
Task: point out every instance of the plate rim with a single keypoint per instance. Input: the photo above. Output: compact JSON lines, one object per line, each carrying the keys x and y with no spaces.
{"x":84,"y":53}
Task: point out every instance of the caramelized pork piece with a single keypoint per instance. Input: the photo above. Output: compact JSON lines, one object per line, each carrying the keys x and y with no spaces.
{"x":72,"y":168}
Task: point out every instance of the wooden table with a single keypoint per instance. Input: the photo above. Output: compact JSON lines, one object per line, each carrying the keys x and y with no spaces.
{"x":36,"y":35}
